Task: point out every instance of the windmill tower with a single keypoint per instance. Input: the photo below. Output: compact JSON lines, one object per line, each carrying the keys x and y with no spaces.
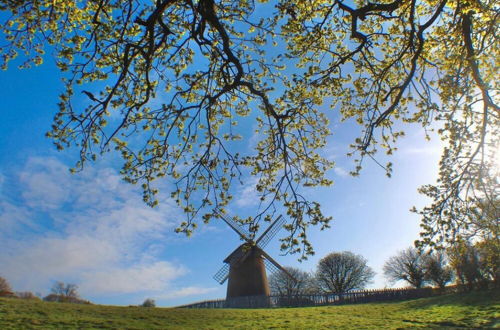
{"x":246,"y":266}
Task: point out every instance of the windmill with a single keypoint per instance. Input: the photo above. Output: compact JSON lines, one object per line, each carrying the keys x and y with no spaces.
{"x":246,"y":266}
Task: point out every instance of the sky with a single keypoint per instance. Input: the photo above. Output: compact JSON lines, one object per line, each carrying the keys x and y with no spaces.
{"x":92,"y":229}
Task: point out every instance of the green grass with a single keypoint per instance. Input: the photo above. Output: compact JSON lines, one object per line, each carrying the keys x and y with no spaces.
{"x":471,"y":310}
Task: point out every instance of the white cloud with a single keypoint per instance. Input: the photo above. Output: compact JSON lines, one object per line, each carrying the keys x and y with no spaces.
{"x":2,"y":180}
{"x":425,"y":150}
{"x":45,"y":182}
{"x":332,"y":151}
{"x":44,"y":259}
{"x":90,"y":228}
{"x":13,"y":218}
{"x":142,"y":277}
{"x":254,"y":139}
{"x":247,"y":193}
{"x":341,"y":172}
{"x":187,"y":291}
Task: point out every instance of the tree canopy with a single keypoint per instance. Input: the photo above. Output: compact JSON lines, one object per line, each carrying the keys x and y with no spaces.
{"x":168,"y":83}
{"x":4,"y":285}
{"x":437,"y":270}
{"x":281,"y":284}
{"x":408,"y":265}
{"x":340,"y":272}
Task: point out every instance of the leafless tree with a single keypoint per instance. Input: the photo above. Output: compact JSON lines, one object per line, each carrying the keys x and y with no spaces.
{"x":26,"y":295}
{"x":282,"y":285}
{"x":65,"y":291}
{"x":408,"y":266}
{"x":437,"y":270}
{"x":340,"y":272}
{"x":4,"y":285}
{"x":68,"y":290}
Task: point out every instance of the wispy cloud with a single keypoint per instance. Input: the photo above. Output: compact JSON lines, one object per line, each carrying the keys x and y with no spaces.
{"x":424,"y":150}
{"x":333,"y":151}
{"x":187,"y":291}
{"x":247,"y":193}
{"x":341,"y":172}
{"x":151,"y":277}
{"x":13,"y":218}
{"x":46,"y":184}
{"x":91,"y":229}
{"x":2,"y":180}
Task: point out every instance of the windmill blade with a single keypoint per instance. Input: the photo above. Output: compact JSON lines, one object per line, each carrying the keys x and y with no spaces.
{"x":270,"y":232}
{"x":271,"y":263}
{"x":237,"y":228}
{"x":271,"y":268}
{"x":222,"y":275}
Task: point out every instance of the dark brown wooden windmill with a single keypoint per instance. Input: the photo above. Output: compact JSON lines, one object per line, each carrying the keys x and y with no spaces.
{"x":246,"y":266}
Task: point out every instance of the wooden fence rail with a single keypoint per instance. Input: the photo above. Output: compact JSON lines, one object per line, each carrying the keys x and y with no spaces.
{"x":352,"y":297}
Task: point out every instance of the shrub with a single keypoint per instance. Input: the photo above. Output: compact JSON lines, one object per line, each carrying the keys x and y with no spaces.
{"x":61,"y":298}
{"x":26,"y":295}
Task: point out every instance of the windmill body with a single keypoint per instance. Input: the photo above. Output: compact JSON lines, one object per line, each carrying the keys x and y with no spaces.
{"x":245,"y":267}
{"x":248,"y":277}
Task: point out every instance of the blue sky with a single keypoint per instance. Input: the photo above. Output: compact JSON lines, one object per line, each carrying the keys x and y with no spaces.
{"x":93,"y":229}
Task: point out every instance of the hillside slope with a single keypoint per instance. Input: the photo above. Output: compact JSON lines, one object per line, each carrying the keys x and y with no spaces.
{"x":470,"y":310}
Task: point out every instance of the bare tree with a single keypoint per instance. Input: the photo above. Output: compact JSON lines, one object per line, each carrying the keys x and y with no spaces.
{"x":26,"y":295}
{"x":343,"y":271}
{"x":62,"y":292}
{"x":282,"y":285}
{"x":437,"y":270}
{"x":408,"y":266}
{"x":4,"y":286}
{"x":65,"y":290}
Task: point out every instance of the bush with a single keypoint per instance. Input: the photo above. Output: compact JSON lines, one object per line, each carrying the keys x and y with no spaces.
{"x":27,"y":295}
{"x":62,"y":298}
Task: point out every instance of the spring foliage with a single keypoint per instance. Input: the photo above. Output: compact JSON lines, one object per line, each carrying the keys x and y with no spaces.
{"x":169,"y":83}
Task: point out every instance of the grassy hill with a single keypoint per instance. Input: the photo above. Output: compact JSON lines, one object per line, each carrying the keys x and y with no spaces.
{"x":469,"y":310}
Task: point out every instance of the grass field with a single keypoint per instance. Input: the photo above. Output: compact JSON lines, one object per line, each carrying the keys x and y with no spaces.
{"x":470,"y":310}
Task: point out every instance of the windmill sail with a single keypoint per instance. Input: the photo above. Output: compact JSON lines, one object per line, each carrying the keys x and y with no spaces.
{"x":273,"y":265}
{"x":222,"y":275}
{"x":271,"y":268}
{"x":270,"y":232}
{"x":236,"y":227}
